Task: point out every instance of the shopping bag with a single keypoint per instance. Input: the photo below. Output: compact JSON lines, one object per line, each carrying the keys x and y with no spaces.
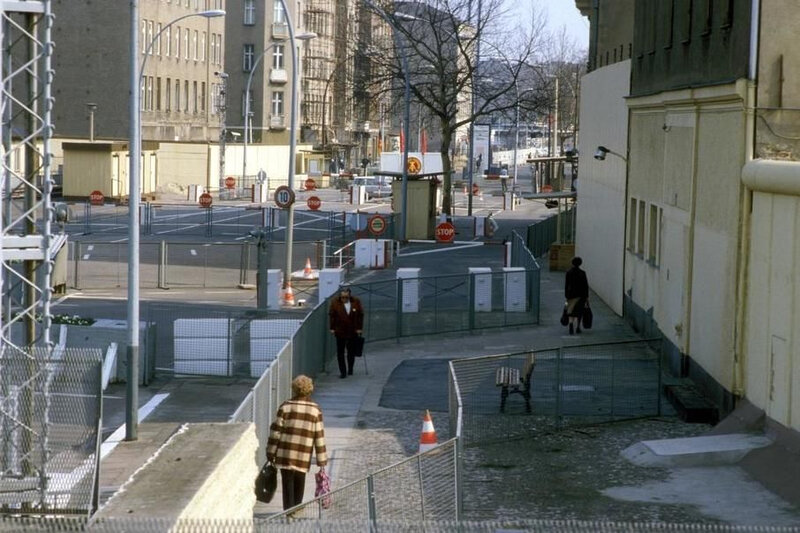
{"x":323,"y":490}
{"x":564,"y":316}
{"x":587,"y":317}
{"x":266,"y":482}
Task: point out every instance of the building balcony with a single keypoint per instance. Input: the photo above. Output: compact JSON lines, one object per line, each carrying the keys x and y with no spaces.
{"x":277,"y":122}
{"x":278,"y":75}
{"x":280,"y":30}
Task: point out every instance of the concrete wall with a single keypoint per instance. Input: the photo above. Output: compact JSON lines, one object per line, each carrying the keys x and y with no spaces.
{"x":687,"y":150}
{"x":772,"y":322}
{"x":204,"y":472}
{"x":601,"y":189}
{"x":183,"y":164}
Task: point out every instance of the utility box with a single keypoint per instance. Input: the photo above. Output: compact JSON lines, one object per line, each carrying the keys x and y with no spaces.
{"x":260,"y":193}
{"x":373,"y":253}
{"x":514,"y":289}
{"x":481,"y":281}
{"x":422,"y":207}
{"x":358,"y":194}
{"x":274,"y":283}
{"x":330,"y":279}
{"x":410,"y":289}
{"x":194,"y":192}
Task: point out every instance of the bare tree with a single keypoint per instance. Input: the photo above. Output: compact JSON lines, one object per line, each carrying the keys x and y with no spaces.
{"x":440,"y":39}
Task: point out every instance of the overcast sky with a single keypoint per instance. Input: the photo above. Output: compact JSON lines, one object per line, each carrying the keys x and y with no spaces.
{"x":559,"y":13}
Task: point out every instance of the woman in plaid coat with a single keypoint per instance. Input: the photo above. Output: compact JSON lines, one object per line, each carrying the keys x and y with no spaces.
{"x":294,"y":435}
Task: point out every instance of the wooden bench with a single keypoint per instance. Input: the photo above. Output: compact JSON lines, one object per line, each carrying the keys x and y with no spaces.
{"x":516,"y":381}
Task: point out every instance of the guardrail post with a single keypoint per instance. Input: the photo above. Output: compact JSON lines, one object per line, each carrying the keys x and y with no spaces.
{"x":76,"y":255}
{"x":371,"y":510}
{"x":87,"y":218}
{"x":162,"y":265}
{"x":471,"y":309}
{"x":458,"y":484}
{"x":209,"y":221}
{"x":398,"y":311}
{"x":244,"y":262}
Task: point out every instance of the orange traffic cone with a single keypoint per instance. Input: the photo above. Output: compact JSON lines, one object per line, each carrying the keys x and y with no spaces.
{"x":307,"y":273}
{"x":427,"y":439}
{"x":288,"y":295}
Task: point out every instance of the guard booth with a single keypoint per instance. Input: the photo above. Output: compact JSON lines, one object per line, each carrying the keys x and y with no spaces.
{"x":424,"y":201}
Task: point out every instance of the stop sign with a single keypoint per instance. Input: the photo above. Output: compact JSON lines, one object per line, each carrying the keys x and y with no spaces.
{"x":310,"y":184}
{"x":445,"y":232}
{"x":314,"y":203}
{"x":205,"y":200}
{"x":230,"y":182}
{"x":96,"y":198}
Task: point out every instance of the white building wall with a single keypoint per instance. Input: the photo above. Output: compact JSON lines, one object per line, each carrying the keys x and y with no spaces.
{"x":601,"y":189}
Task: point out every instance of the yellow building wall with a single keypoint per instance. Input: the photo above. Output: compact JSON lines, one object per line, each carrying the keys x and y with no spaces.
{"x":772,"y":322}
{"x":181,"y":165}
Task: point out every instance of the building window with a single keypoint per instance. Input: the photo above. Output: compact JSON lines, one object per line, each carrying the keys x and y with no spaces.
{"x":219,"y":49}
{"x":149,"y":43}
{"x":186,"y":96}
{"x":669,"y":22}
{"x":178,"y":42}
{"x":247,"y":57}
{"x":708,"y":17}
{"x":247,"y":100}
{"x":195,"y":44}
{"x":158,"y":94}
{"x":168,"y":41}
{"x":685,"y":21}
{"x":213,"y":48}
{"x":278,"y":14}
{"x":144,"y":37}
{"x":194,"y":97}
{"x":249,"y":12}
{"x":158,"y":42}
{"x":727,"y":14}
{"x":640,"y":221}
{"x":186,"y":43}
{"x":203,"y":47}
{"x":654,"y":242}
{"x":149,"y":104}
{"x":632,"y":225}
{"x":277,"y":103}
{"x":177,"y":95}
{"x":277,"y":57}
{"x":168,"y":95}
{"x":203,"y":97}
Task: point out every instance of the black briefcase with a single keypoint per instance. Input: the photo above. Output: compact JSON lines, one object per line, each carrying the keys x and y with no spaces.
{"x":358,"y":346}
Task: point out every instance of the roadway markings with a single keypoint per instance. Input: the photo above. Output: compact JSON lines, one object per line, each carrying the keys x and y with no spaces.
{"x":115,"y":438}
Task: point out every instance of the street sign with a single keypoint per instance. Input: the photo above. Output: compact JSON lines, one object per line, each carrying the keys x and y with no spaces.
{"x":230,"y":182}
{"x":414,"y":165}
{"x":96,"y":198}
{"x":310,"y":184}
{"x":314,"y":202}
{"x":445,"y":232}
{"x":284,"y":196}
{"x":205,"y":200}
{"x":376,"y":225}
{"x":261,"y":177}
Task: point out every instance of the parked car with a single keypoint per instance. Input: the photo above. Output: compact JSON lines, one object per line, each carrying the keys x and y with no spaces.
{"x":376,"y":186}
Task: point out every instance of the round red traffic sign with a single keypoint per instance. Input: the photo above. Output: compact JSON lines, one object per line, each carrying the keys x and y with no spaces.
{"x":445,"y":232}
{"x":314,"y":202}
{"x":310,"y":184}
{"x":284,"y":196}
{"x":230,"y":182}
{"x":376,"y":225}
{"x":96,"y":198}
{"x":205,"y":200}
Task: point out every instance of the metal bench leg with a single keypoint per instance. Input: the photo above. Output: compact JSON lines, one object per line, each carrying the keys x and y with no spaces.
{"x":503,"y":396}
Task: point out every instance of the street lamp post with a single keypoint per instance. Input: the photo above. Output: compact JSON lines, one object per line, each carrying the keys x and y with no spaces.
{"x":406,"y":113}
{"x":135,"y":151}
{"x":302,"y":37}
{"x":471,"y":162}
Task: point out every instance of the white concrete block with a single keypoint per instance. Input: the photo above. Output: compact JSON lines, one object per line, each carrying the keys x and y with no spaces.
{"x":481,"y":280}
{"x":410,"y":289}
{"x":711,"y":450}
{"x":514,"y":289}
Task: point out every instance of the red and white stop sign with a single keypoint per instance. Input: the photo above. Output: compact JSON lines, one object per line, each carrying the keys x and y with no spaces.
{"x":314,"y":203}
{"x":205,"y":200}
{"x":96,"y":198}
{"x":445,"y":232}
{"x":310,"y":184}
{"x":230,"y":182}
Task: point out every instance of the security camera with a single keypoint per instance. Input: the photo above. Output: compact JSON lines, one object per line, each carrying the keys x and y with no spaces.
{"x":600,"y":153}
{"x":236,"y":134}
{"x":221,"y":74}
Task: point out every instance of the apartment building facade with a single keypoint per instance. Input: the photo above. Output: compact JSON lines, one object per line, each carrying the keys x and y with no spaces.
{"x":705,"y":172}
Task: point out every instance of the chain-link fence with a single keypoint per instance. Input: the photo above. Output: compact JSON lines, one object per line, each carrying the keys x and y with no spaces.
{"x":440,"y":304}
{"x":557,"y":228}
{"x":505,"y":396}
{"x":422,"y":487}
{"x":50,"y":416}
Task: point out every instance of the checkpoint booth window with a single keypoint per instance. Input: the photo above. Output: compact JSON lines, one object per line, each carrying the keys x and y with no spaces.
{"x":424,"y":201}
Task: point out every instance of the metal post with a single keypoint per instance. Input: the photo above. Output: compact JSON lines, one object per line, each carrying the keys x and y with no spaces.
{"x":516,"y":140}
{"x":221,"y":108}
{"x":92,"y":109}
{"x":135,"y":148}
{"x":247,"y":111}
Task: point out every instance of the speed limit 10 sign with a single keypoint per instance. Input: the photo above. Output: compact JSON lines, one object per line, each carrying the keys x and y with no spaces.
{"x":284,"y":196}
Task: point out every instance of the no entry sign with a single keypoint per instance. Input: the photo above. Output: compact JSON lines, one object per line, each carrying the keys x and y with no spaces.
{"x":205,"y":200}
{"x":445,"y":232}
{"x":376,"y":225}
{"x":314,"y":203}
{"x":96,"y":198}
{"x":230,"y":182}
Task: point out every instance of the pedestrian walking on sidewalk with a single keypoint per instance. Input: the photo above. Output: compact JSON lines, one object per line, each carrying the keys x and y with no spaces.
{"x":576,"y":291}
{"x":294,"y":436}
{"x":346,"y":319}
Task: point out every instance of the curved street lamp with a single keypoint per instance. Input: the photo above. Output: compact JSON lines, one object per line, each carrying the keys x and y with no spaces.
{"x":135,"y":151}
{"x":302,"y":37}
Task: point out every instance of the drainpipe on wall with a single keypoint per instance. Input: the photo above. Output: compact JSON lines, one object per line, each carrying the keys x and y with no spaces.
{"x":746,"y":204}
{"x":687,"y":324}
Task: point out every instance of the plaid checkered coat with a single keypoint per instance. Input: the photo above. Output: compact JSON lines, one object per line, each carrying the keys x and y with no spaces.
{"x":294,"y":435}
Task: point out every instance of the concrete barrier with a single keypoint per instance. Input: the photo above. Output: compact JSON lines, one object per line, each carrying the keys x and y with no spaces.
{"x":204,"y":472}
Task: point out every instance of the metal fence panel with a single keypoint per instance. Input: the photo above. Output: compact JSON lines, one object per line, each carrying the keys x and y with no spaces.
{"x":50,"y":416}
{"x":99,"y":265}
{"x":205,"y":265}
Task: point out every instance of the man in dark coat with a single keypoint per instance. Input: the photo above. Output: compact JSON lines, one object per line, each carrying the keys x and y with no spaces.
{"x":576,"y":291}
{"x":346,"y":322}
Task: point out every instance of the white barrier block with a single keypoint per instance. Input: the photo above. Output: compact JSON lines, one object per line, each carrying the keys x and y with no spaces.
{"x":514,"y":289}
{"x":482,"y":288}
{"x":410,"y":288}
{"x":274,"y":288}
{"x":201,"y":346}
